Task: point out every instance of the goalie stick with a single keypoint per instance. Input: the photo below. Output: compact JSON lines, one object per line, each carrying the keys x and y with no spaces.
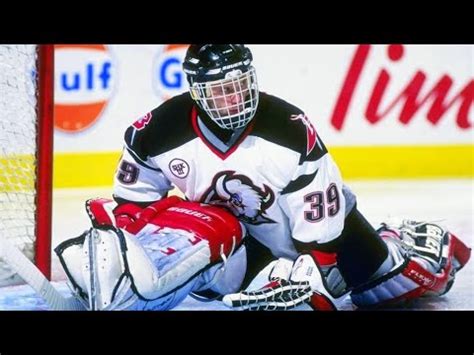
{"x":33,"y":277}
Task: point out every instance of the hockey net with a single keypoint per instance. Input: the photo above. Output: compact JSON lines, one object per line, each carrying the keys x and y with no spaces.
{"x":26,"y":99}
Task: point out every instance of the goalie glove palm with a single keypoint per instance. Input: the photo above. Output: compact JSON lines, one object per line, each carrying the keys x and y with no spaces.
{"x":291,"y":284}
{"x":276,"y":295}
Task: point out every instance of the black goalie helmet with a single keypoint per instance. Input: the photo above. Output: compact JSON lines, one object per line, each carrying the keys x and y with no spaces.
{"x":223,"y":82}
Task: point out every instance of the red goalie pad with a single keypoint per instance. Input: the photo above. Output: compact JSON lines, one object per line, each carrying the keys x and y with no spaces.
{"x":214,"y":224}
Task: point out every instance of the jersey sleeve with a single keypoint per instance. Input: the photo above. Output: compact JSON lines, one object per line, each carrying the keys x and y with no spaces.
{"x":137,"y":178}
{"x":313,"y":200}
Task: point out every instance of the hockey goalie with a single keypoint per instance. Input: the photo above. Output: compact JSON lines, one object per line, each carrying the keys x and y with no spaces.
{"x":261,"y":160}
{"x":151,"y":258}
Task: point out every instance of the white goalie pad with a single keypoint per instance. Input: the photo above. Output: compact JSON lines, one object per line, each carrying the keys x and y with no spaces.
{"x":225,"y":277}
{"x":110,"y":269}
{"x":96,"y":266}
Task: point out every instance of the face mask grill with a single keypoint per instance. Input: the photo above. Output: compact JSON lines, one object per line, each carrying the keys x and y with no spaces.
{"x":230,"y":102}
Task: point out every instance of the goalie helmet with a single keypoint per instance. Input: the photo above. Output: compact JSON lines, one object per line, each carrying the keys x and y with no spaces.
{"x":223,"y":83}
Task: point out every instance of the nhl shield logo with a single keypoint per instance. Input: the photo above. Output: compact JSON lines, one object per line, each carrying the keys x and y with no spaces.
{"x":179,"y":168}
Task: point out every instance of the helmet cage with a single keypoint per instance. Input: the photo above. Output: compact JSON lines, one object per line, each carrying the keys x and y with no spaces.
{"x":230,"y":102}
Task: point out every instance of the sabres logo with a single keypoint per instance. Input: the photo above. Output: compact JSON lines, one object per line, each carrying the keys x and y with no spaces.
{"x":240,"y":195}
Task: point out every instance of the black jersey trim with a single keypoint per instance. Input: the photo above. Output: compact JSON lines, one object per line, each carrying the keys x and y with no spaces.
{"x":316,"y":153}
{"x":142,"y":204}
{"x":299,"y":183}
{"x":168,"y":129}
{"x":276,"y":122}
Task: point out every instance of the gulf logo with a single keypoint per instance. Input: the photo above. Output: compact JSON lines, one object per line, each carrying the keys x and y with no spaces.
{"x":84,"y":80}
{"x":168,"y":77}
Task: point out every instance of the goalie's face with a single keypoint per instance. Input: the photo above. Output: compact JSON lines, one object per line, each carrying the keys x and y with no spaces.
{"x":231,"y":102}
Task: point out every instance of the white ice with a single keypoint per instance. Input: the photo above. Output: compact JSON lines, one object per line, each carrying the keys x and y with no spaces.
{"x":451,"y":201}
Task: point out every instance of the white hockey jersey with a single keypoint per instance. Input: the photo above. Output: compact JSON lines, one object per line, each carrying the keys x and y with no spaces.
{"x":275,"y":175}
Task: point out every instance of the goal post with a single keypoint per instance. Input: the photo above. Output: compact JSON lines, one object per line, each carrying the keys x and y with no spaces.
{"x":45,"y":139}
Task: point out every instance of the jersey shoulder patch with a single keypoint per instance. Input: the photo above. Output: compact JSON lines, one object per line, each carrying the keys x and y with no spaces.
{"x":166,"y":127}
{"x":285,"y":124}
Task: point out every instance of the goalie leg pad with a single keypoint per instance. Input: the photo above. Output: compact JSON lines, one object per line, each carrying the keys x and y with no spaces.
{"x":98,"y":265}
{"x":424,"y":263}
{"x":97,"y":270}
{"x":162,"y":249}
{"x":407,"y":281}
{"x":225,"y":277}
{"x":178,"y":256}
{"x":101,"y":261}
{"x":145,"y":267}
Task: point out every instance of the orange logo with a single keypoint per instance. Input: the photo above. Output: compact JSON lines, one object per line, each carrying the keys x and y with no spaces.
{"x":84,"y":80}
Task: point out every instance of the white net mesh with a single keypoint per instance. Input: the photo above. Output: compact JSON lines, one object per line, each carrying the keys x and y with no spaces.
{"x":18,"y":120}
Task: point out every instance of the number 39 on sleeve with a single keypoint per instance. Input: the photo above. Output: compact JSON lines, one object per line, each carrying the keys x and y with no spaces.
{"x":322,"y":204}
